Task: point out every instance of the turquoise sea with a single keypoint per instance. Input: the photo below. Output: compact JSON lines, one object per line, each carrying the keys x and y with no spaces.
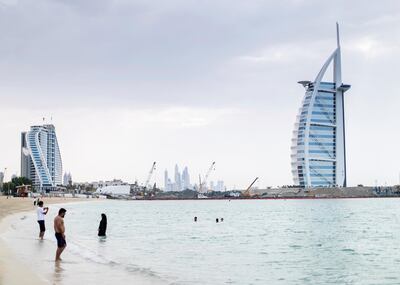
{"x":338,"y":241}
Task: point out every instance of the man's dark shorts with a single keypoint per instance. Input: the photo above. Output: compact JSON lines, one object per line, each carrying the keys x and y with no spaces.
{"x":60,"y":240}
{"x":41,"y":225}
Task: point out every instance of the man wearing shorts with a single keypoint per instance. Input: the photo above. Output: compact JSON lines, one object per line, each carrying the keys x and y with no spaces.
{"x":41,"y":212}
{"x":59,"y":229}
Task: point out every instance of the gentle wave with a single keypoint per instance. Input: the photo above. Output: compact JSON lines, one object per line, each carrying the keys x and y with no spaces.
{"x":88,"y":254}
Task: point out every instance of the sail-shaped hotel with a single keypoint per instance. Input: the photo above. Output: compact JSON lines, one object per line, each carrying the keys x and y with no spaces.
{"x":318,"y":145}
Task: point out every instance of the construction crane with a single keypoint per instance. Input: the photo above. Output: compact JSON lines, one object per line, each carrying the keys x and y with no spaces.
{"x":204,"y":183}
{"x":246,"y":193}
{"x":153,"y":167}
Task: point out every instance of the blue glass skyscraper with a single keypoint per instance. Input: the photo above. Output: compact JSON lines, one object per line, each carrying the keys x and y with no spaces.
{"x":41,"y":158}
{"x":318,"y":144}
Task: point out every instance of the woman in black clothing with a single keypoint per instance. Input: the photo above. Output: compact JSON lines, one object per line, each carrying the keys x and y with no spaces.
{"x":103,"y":226}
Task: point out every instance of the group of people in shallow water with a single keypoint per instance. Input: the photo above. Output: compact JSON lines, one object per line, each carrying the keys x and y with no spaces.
{"x":216,"y":220}
{"x":59,"y":227}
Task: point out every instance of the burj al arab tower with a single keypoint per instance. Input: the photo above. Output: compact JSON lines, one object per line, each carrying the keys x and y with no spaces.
{"x":318,"y":151}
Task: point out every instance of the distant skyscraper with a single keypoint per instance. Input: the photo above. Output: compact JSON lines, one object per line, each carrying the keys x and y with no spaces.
{"x":220,"y":186}
{"x":178,"y":181}
{"x":166,"y":182}
{"x":185,"y":179}
{"x":170,"y":185}
{"x":65,"y":179}
{"x":212,"y":188}
{"x":318,"y":144}
{"x":41,"y":158}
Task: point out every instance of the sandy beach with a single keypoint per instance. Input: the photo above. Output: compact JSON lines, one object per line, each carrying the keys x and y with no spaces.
{"x":10,"y":268}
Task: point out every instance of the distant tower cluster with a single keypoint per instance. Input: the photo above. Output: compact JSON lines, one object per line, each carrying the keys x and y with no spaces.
{"x":181,"y":181}
{"x":67,"y":179}
{"x":41,"y":157}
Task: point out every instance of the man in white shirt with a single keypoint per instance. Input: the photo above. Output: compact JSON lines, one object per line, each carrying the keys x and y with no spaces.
{"x":41,"y":212}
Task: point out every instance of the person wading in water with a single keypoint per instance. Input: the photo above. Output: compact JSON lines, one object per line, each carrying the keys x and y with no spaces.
{"x":59,"y":228}
{"x":41,"y":212}
{"x":103,"y":226}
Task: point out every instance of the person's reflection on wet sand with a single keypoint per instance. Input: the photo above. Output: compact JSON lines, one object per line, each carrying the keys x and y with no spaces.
{"x":58,"y":272}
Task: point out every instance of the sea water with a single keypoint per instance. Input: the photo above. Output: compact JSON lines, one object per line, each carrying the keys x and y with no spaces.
{"x":339,"y":241}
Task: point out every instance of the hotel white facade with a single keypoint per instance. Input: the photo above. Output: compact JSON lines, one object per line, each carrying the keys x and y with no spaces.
{"x":318,"y":150}
{"x":41,"y":158}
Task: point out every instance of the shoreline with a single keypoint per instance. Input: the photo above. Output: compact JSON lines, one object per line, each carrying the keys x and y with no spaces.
{"x":10,"y":265}
{"x":259,"y":198}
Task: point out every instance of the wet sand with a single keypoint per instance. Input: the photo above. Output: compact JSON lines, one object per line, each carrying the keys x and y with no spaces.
{"x":11,"y":270}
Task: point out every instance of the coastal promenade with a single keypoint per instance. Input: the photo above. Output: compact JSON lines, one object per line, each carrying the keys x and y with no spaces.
{"x":11,"y":270}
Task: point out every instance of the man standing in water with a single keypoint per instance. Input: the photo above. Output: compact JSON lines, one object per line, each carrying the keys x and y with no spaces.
{"x":41,"y":212}
{"x":59,"y":228}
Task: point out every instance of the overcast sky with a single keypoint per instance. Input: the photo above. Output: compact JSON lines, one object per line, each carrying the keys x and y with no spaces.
{"x":191,"y":82}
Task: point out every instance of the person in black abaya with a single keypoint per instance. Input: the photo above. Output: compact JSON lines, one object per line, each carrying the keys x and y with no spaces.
{"x":103,"y":226}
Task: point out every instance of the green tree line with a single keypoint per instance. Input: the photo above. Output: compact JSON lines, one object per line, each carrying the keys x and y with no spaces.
{"x":14,"y":183}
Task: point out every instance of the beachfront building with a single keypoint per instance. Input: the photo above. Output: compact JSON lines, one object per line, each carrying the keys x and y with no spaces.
{"x":114,"y":190}
{"x":41,"y":158}
{"x":101,"y":184}
{"x":318,"y":145}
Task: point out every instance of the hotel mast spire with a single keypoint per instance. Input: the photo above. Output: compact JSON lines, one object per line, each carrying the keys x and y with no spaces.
{"x":337,"y":35}
{"x":337,"y":62}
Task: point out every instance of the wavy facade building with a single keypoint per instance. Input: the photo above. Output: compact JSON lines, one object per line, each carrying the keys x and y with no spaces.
{"x":41,"y":157}
{"x":318,"y":145}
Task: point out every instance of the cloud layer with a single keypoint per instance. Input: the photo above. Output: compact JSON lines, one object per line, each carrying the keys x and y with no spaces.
{"x":201,"y":81}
